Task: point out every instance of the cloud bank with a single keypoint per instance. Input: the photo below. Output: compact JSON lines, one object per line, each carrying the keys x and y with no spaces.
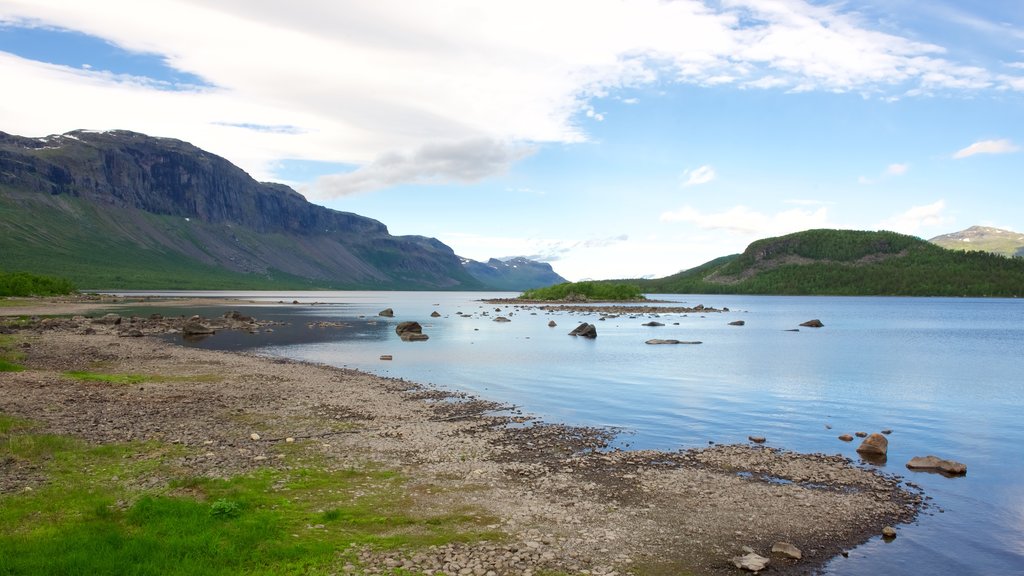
{"x":390,"y":85}
{"x":986,"y":147}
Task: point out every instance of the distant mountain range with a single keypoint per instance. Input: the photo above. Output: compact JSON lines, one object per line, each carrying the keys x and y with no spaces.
{"x":848,"y":262}
{"x":120,"y":209}
{"x":514,"y":274}
{"x":987,"y":239}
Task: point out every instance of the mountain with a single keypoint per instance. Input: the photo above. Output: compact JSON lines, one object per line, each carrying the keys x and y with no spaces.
{"x":848,"y":263}
{"x":124,"y":210}
{"x":984,"y":238}
{"x":512,"y":274}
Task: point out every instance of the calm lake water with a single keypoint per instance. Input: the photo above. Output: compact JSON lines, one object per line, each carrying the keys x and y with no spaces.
{"x":943,"y":374}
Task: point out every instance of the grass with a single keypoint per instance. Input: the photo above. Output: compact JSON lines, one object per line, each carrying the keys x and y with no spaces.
{"x":87,"y":376}
{"x":91,"y":517}
{"x":9,"y":356}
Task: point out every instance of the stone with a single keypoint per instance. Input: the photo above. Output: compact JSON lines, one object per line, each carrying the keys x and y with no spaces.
{"x":585,"y":330}
{"x":386,"y":357}
{"x":289,"y":439}
{"x":887,"y":431}
{"x":813,"y":324}
{"x":435,"y":314}
{"x":653,"y":323}
{"x":787,"y":550}
{"x":888,"y":532}
{"x":501,"y":319}
{"x":756,"y":439}
{"x":193,"y":327}
{"x":846,"y":438}
{"x":408,"y":327}
{"x":861,"y":434}
{"x":737,"y":323}
{"x":552,"y":324}
{"x":874,"y":445}
{"x":413,"y":337}
{"x":936,"y":464}
{"x":751,"y":562}
{"x":387,"y":313}
{"x":254,"y":436}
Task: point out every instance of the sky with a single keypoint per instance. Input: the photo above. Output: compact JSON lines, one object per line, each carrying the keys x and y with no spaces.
{"x":612,"y":139}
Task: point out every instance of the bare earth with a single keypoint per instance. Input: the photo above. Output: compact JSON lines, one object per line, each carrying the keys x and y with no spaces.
{"x":565,"y":502}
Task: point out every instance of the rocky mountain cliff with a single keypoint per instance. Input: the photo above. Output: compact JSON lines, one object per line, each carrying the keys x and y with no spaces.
{"x":984,"y":238}
{"x":513,"y":274}
{"x":124,"y":210}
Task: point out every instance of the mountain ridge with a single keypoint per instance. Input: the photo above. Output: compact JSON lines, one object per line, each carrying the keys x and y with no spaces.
{"x":119,"y":209}
{"x":985,"y":238}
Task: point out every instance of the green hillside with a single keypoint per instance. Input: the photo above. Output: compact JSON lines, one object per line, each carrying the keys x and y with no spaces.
{"x":849,"y":263}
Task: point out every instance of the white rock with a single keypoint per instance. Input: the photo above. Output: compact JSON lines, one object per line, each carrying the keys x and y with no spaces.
{"x":751,"y":562}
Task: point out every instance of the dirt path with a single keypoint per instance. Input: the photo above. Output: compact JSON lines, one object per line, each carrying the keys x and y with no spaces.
{"x":566,"y":503}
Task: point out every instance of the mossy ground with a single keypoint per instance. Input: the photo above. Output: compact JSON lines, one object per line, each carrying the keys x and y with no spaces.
{"x":127,"y":508}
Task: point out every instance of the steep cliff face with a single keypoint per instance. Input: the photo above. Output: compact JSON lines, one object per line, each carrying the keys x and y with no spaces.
{"x":145,"y":200}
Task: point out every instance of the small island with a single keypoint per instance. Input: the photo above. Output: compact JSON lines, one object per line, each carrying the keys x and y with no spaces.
{"x":585,"y":292}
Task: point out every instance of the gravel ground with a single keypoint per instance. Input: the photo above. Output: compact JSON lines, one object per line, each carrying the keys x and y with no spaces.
{"x":566,"y":501}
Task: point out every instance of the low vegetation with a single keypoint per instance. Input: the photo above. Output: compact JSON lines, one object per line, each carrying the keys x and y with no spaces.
{"x":88,"y":513}
{"x":586,"y":291}
{"x":25,"y":284}
{"x":9,"y":355}
{"x":849,"y":263}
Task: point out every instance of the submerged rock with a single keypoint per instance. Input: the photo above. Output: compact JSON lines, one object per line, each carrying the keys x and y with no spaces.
{"x":934,"y":463}
{"x":737,"y":323}
{"x":435,"y":314}
{"x":387,"y":313}
{"x":813,"y":324}
{"x":846,"y":438}
{"x":653,"y":323}
{"x":501,"y":319}
{"x":756,"y":439}
{"x":888,"y":532}
{"x":874,"y":445}
{"x":660,"y":341}
{"x":552,"y":324}
{"x":410,"y":331}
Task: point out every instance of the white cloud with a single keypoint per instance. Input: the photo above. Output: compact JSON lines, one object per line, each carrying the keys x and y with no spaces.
{"x":1003,"y":146}
{"x":362,"y":82}
{"x":742,"y":220}
{"x":917,"y":218}
{"x":467,"y":161}
{"x":698,"y":176}
{"x":897,"y":169}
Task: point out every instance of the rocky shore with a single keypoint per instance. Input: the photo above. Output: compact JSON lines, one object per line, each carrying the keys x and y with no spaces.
{"x":562,"y":499}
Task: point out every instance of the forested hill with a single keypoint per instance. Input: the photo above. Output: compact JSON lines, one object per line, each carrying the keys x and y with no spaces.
{"x":849,"y":263}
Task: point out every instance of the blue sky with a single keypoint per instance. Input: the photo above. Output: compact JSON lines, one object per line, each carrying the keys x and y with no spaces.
{"x":612,"y":139}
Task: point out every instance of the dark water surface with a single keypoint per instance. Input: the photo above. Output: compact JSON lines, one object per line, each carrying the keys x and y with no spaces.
{"x":944,"y":374}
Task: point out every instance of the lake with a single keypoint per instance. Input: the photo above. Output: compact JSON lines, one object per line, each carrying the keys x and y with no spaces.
{"x":943,"y":374}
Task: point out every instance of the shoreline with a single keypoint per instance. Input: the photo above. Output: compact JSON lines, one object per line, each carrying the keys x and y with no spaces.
{"x":553,"y":489}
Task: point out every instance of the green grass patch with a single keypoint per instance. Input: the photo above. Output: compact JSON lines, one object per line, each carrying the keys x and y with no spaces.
{"x":26,"y":284}
{"x":109,"y":378}
{"x":9,"y":355}
{"x":90,"y":517}
{"x":87,"y":376}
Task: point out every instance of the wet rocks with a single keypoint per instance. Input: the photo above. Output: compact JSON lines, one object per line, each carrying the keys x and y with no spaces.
{"x":756,"y":439}
{"x":813,"y":324}
{"x":387,"y":313}
{"x":751,"y":562}
{"x":501,"y":319}
{"x":874,"y":445}
{"x":936,"y":464}
{"x":194,"y":326}
{"x":737,"y":323}
{"x":435,"y":314}
{"x":888,"y":532}
{"x":846,"y":438}
{"x":661,"y":341}
{"x":552,"y":324}
{"x":585,"y":330}
{"x":861,"y":434}
{"x":653,"y":323}
{"x":410,"y":332}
